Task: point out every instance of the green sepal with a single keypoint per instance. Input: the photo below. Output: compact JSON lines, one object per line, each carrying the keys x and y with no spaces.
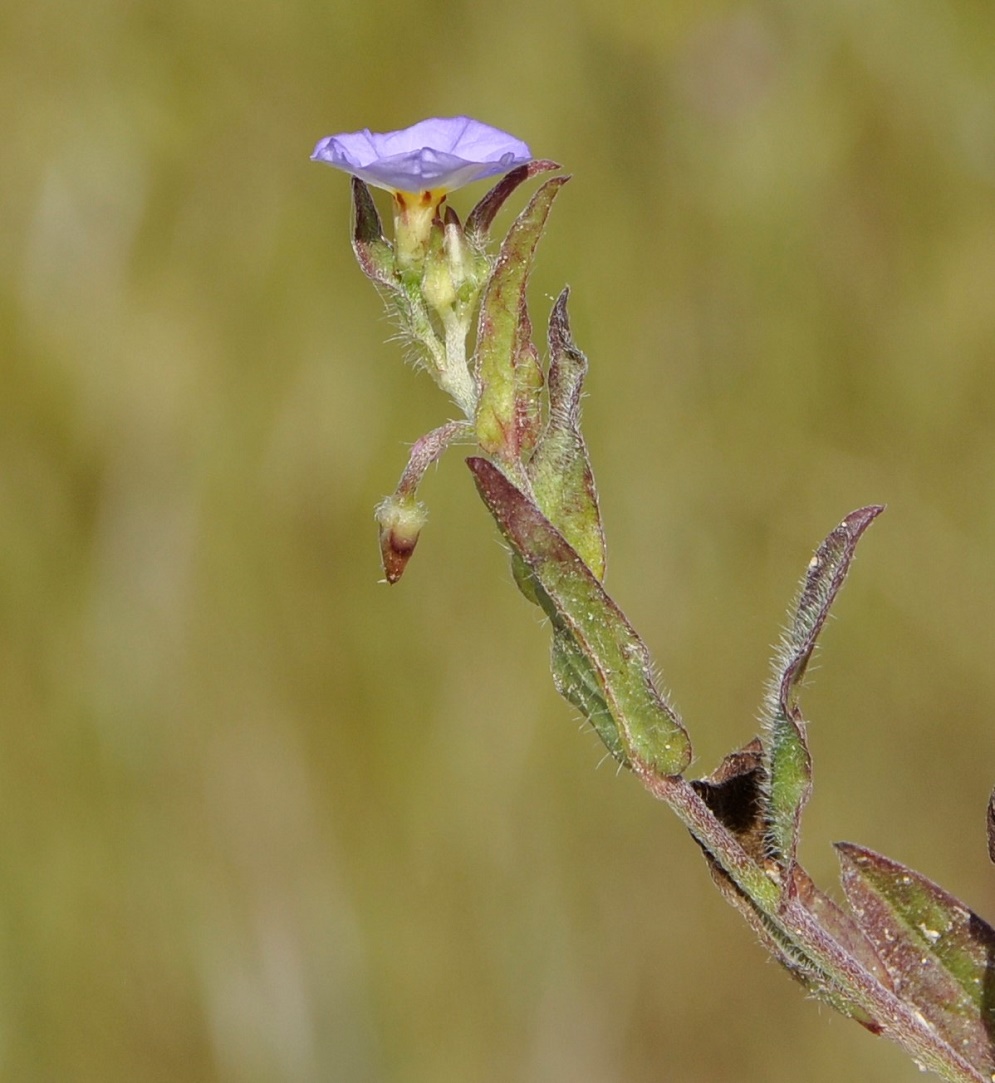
{"x":373,"y":251}
{"x":479,"y":221}
{"x":617,"y":665}
{"x":788,"y":766}
{"x":560,"y":469}
{"x":507,"y":368}
{"x":375,"y":256}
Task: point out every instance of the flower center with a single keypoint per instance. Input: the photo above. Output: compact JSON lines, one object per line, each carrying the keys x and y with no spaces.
{"x":414,"y":213}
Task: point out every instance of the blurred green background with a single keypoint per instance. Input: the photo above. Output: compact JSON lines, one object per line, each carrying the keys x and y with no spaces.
{"x":265,"y":819}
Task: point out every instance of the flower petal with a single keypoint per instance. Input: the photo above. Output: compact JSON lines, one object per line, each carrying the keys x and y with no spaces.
{"x":442,"y":153}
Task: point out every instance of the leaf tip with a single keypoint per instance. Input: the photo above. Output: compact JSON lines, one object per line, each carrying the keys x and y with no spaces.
{"x":858,"y":521}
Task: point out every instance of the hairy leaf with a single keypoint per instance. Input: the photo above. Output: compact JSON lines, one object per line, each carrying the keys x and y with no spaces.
{"x":789,"y":764}
{"x":577,"y":682}
{"x":507,"y":368}
{"x":579,"y":608}
{"x":560,"y":470}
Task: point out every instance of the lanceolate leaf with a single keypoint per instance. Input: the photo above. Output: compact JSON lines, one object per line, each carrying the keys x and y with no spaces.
{"x":938,"y":953}
{"x":504,"y":337}
{"x":789,"y":765}
{"x":560,"y":470}
{"x":839,"y":924}
{"x":578,"y":607}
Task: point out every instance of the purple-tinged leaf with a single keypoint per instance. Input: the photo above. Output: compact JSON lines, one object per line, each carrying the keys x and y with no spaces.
{"x":478,"y":223}
{"x":578,"y":607}
{"x":373,"y":251}
{"x":839,"y":924}
{"x":781,"y":944}
{"x":939,"y":954}
{"x":789,"y":764}
{"x":560,"y":470}
{"x":507,"y":412}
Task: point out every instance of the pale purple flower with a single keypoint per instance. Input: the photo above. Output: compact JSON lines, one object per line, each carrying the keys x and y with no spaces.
{"x":434,"y":155}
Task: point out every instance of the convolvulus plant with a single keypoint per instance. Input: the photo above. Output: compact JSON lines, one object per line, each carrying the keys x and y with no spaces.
{"x":904,"y":958}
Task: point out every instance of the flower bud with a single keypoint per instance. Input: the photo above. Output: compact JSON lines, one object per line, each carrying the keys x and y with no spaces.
{"x":459,"y":255}
{"x":438,"y":284}
{"x":401,"y":520}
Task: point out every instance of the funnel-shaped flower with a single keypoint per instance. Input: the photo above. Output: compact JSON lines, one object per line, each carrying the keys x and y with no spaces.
{"x":436,"y":155}
{"x":420,"y":165}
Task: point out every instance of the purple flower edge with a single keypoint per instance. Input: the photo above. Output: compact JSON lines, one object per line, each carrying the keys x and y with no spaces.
{"x":440,"y":153}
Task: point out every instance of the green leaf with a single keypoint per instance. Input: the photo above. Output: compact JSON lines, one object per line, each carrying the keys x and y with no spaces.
{"x":528,"y":387}
{"x":507,"y":368}
{"x":581,"y":612}
{"x":937,"y":952}
{"x":789,"y":764}
{"x":560,"y":470}
{"x":577,"y":682}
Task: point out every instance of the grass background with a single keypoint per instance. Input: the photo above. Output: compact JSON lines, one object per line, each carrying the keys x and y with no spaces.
{"x":265,"y":819}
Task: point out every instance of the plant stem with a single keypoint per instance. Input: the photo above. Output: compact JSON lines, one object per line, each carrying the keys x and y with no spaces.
{"x":898,"y":1022}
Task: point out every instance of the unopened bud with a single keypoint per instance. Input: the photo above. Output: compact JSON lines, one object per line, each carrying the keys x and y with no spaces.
{"x":458,"y":251}
{"x":437,"y":285}
{"x":401,"y":521}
